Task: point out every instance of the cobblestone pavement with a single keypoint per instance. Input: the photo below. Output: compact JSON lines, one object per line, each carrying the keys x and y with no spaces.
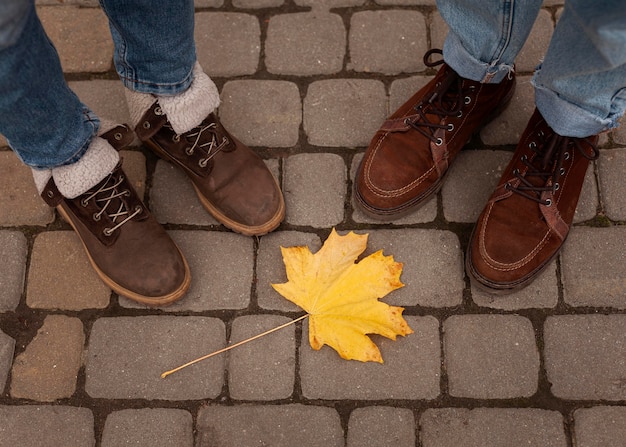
{"x":307,"y":83}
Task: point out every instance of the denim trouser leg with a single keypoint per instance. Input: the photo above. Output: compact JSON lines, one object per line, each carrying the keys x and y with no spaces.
{"x":43,"y":120}
{"x":580,"y":88}
{"x":486,"y":35}
{"x":40,"y":116}
{"x":154,"y":43}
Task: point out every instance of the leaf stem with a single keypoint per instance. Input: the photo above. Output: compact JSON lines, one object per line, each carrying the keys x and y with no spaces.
{"x":228,"y":348}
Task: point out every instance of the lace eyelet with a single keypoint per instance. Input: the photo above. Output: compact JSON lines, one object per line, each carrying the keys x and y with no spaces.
{"x":467,"y":100}
{"x":84,"y":203}
{"x":126,"y":193}
{"x":566,"y":156}
{"x":532,"y":145}
{"x":548,"y":202}
{"x":515,"y":171}
{"x":118,"y":136}
{"x":97,"y":217}
{"x":556,"y":187}
{"x":407,"y":122}
{"x":507,"y":186}
{"x":523,"y":158}
{"x":50,"y":194}
{"x":158,"y":111}
{"x":450,"y":127}
{"x":189,"y":150}
{"x":176,"y":138}
{"x":439,"y":142}
{"x":203,"y":162}
{"x":562,"y":171}
{"x":146,"y":125}
{"x":107,"y":232}
{"x":460,"y":114}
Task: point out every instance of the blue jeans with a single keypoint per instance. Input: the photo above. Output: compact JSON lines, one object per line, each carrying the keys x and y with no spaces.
{"x":580,"y":87}
{"x":43,"y":120}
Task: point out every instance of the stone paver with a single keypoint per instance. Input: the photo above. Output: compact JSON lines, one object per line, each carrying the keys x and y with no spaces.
{"x":47,"y":370}
{"x":491,"y":427}
{"x":594,"y":267}
{"x":585,"y":356}
{"x":600,"y":427}
{"x":148,"y":427}
{"x":127,"y":355}
{"x":326,"y":175}
{"x":46,"y":426}
{"x":611,"y":165}
{"x":381,"y":427}
{"x":263,"y":369}
{"x":13,"y":251}
{"x":7,"y":346}
{"x":413,"y":361}
{"x":490,"y":356}
{"x":60,"y":254}
{"x":305,"y":44}
{"x":280,"y":426}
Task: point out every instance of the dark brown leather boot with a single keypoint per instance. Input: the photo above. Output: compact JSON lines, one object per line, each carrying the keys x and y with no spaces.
{"x":408,"y":157}
{"x":127,"y":247}
{"x":529,"y":215}
{"x":231,"y":181}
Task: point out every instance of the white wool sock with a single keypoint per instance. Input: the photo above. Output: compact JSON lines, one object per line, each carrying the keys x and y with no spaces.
{"x":185,"y":110}
{"x":73,"y":180}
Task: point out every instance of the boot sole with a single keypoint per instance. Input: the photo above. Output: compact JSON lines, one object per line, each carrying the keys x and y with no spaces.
{"x":121,"y":290}
{"x":418,"y":202}
{"x":246,"y":230}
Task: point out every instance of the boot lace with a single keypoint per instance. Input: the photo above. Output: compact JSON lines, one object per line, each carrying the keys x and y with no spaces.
{"x":107,"y":197}
{"x":546,"y":168}
{"x":446,"y":100}
{"x":206,"y":138}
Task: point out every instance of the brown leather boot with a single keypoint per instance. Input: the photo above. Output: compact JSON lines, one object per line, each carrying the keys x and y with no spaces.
{"x":127,"y":247}
{"x":528,"y":217}
{"x":408,"y":157}
{"x":231,"y":181}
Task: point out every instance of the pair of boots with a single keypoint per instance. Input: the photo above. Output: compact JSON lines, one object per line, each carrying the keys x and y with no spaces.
{"x":528,"y":216}
{"x":128,"y":248}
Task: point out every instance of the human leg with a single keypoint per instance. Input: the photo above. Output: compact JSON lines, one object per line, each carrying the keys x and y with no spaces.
{"x":408,"y":158}
{"x":77,"y":171}
{"x":580,"y":91}
{"x":172,"y":104}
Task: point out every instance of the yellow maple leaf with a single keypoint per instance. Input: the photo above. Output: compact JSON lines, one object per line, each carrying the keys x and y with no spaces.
{"x":341,"y":296}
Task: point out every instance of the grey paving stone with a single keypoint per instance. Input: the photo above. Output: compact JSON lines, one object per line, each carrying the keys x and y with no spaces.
{"x":208,"y":3}
{"x":344,"y":112}
{"x":279,"y":426}
{"x":262,"y":113}
{"x":542,"y":293}
{"x":611,"y":167}
{"x":228,"y":44}
{"x":388,"y":42}
{"x":46,"y":426}
{"x":305,"y":44}
{"x":403,"y":89}
{"x":61,"y":277}
{"x":405,"y":2}
{"x":20,"y":203}
{"x":106,"y":98}
{"x":127,"y":355}
{"x":327,"y":4}
{"x":221,"y":271}
{"x":600,"y":427}
{"x":271,"y":269}
{"x":7,"y":346}
{"x":263,"y":369}
{"x":314,"y":186}
{"x":47,"y":370}
{"x":381,"y":426}
{"x":432,"y":265}
{"x":507,"y":128}
{"x":13,"y":252}
{"x":81,"y":37}
{"x":594,"y":267}
{"x":490,"y":356}
{"x":438,"y":30}
{"x":134,"y":164}
{"x":619,"y":134}
{"x":588,"y":202}
{"x":584,"y":356}
{"x":257,"y":3}
{"x":413,"y":362}
{"x":491,"y":427}
{"x":471,"y":180}
{"x":149,"y":427}
{"x":3,"y":141}
{"x":426,"y":213}
{"x":536,"y":45}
